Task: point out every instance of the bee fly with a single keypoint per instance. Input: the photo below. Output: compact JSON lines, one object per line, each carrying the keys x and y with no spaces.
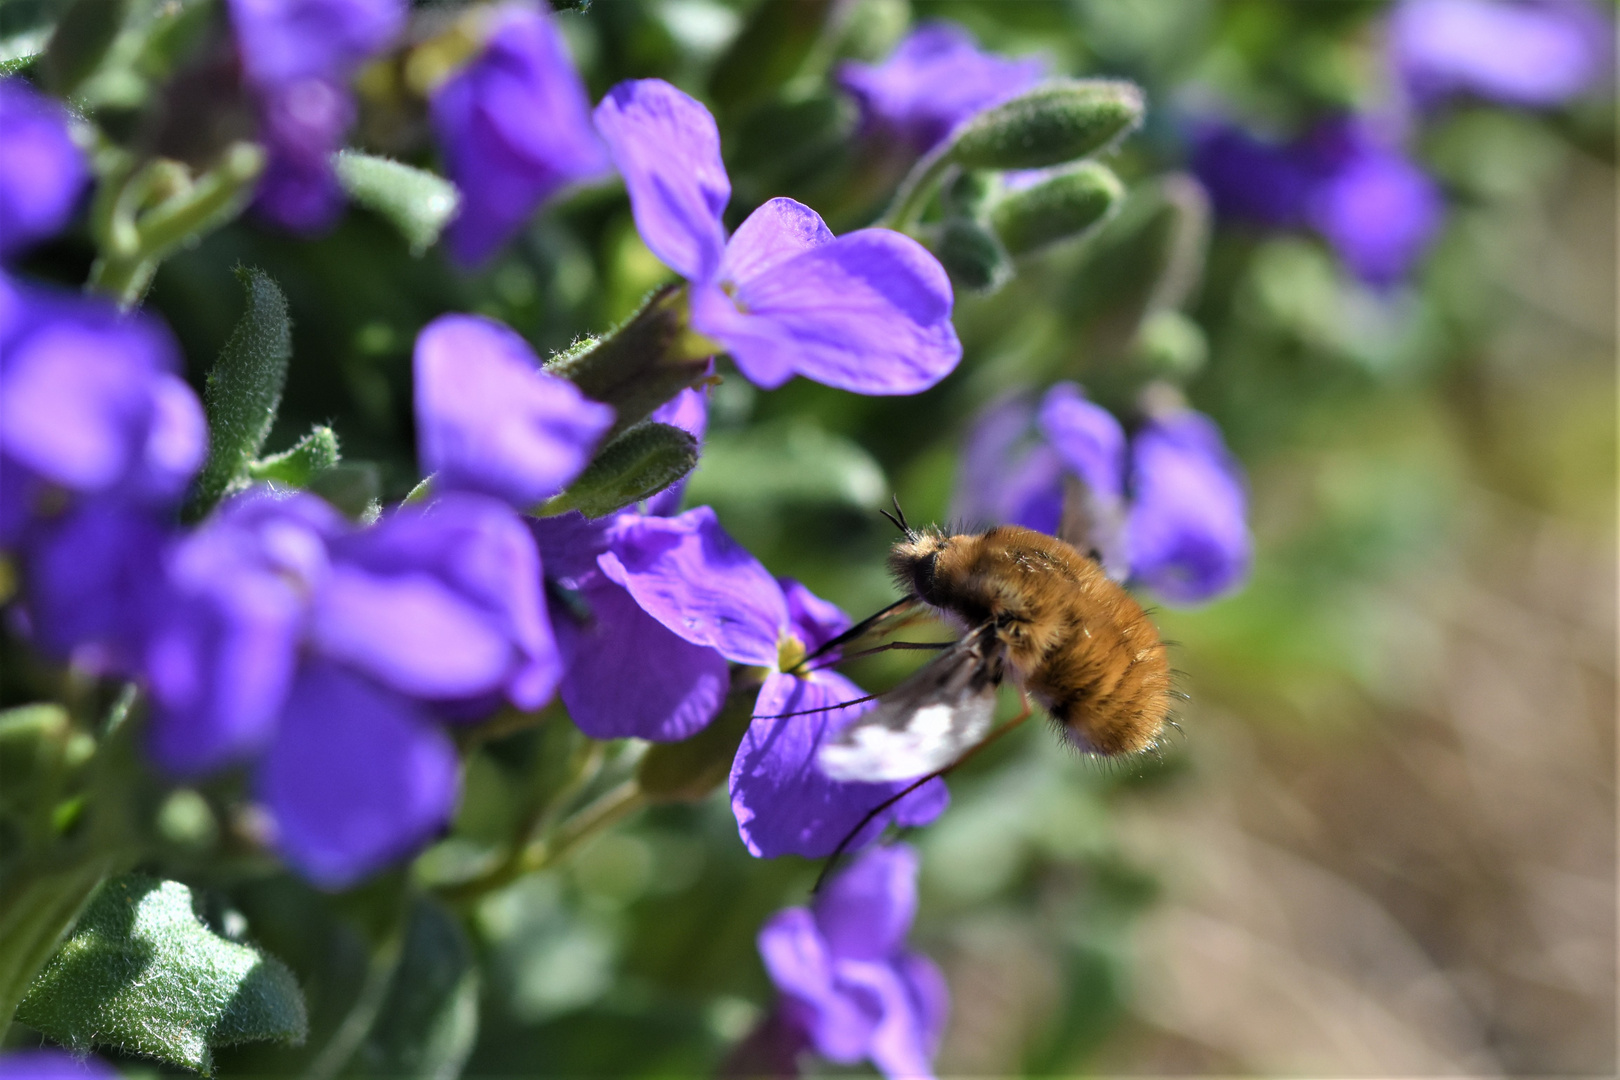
{"x":1035,"y":611}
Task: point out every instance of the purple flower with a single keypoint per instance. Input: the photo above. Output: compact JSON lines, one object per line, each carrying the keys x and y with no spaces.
{"x":90,"y":406}
{"x":515,"y":128}
{"x":48,"y":1064}
{"x":42,"y":172}
{"x":326,"y":652}
{"x":867,"y":312}
{"x":1168,"y":510}
{"x":688,"y":574}
{"x":1533,"y":54}
{"x":1373,"y":204}
{"x":1186,"y":536}
{"x":935,"y":78}
{"x":297,"y":57}
{"x":846,"y":979}
{"x":490,"y":420}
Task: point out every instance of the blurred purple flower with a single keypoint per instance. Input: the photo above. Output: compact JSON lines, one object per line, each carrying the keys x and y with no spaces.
{"x":90,"y":406}
{"x":1172,"y":516}
{"x":51,"y":1064}
{"x":285,"y":633}
{"x":935,"y":78}
{"x":845,"y":977}
{"x":489,"y":419}
{"x":515,"y":128}
{"x":868,"y":312}
{"x":1372,"y":203}
{"x":297,"y":58}
{"x":1533,"y":54}
{"x":1186,"y":536}
{"x":42,"y":171}
{"x":692,"y":577}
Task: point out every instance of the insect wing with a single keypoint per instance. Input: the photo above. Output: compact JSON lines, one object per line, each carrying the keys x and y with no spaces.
{"x":927,"y":722}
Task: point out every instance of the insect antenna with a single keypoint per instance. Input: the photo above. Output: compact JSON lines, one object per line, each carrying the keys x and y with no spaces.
{"x":849,"y":837}
{"x":899,"y":518}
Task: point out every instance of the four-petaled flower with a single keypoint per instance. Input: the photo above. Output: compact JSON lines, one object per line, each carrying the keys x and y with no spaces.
{"x":849,"y":987}
{"x":869,"y":311}
{"x":699,"y":583}
{"x":1169,"y":510}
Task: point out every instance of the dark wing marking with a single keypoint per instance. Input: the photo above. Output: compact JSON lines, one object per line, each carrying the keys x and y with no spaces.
{"x":1093,"y":527}
{"x":927,"y":722}
{"x":890,"y":619}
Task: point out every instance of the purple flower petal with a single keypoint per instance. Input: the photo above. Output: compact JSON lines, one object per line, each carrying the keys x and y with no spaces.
{"x":936,"y":78}
{"x":284,"y":40}
{"x":1186,"y":534}
{"x":796,"y":957}
{"x":1250,"y":179}
{"x":865,"y":911}
{"x":783,"y":802}
{"x":515,"y":127}
{"x":898,"y":1047}
{"x":667,"y":148}
{"x":569,"y":544}
{"x":814,"y":620}
{"x":302,"y":123}
{"x":88,"y":400}
{"x":778,"y":230}
{"x":931,"y":997}
{"x":356,"y":778}
{"x":1380,"y":212}
{"x":50,"y":1064}
{"x":997,"y":438}
{"x":1517,"y":54}
{"x":489,"y":420}
{"x":442,"y":602}
{"x":625,"y":675}
{"x":42,"y":171}
{"x":1087,"y":438}
{"x":690,"y":575}
{"x":89,"y":579}
{"x":868,"y":312}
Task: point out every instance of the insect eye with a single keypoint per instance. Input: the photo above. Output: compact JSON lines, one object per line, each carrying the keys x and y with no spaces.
{"x":922,"y":575}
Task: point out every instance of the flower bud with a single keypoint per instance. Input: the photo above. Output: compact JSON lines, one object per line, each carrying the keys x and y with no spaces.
{"x":1170,"y":346}
{"x":638,"y":464}
{"x":295,"y":466}
{"x":416,"y":202}
{"x":1056,"y":122}
{"x":973,"y":256}
{"x":1060,"y":207}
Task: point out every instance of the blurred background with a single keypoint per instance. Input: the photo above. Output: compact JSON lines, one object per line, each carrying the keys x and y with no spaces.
{"x":1383,"y":841}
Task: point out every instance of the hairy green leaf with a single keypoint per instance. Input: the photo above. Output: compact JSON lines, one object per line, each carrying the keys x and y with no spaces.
{"x":296,"y":465}
{"x":141,"y":973}
{"x":418,"y":203}
{"x":637,"y":465}
{"x":244,"y":390}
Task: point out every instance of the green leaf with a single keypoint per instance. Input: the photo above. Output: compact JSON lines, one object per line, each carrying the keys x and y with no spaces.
{"x":427,"y":1025}
{"x":296,"y":466}
{"x":1058,"y":121}
{"x":792,"y":461}
{"x":637,"y":465}
{"x":142,"y":974}
{"x":352,"y":487}
{"x":244,"y":390}
{"x":418,"y":203}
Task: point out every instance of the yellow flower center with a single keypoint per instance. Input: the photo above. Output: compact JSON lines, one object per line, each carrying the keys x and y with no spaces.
{"x":790,"y":652}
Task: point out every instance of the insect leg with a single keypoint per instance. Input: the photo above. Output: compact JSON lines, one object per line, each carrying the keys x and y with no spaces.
{"x":818,"y":708}
{"x":843,"y":845}
{"x":865,"y":625}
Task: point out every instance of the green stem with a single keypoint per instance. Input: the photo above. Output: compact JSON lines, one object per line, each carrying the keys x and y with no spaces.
{"x":363,"y":1013}
{"x":916,"y":188}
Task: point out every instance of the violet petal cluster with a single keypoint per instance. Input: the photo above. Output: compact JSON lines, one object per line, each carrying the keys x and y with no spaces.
{"x":1378,"y":209}
{"x":297,"y":59}
{"x":869,"y":311}
{"x":847,"y":982}
{"x":515,"y":128}
{"x":1527,"y":54}
{"x":42,"y":171}
{"x":329,"y":654}
{"x":50,"y":1064}
{"x":936,"y":78}
{"x":99,"y":436}
{"x":699,"y":584}
{"x":1168,"y":508}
